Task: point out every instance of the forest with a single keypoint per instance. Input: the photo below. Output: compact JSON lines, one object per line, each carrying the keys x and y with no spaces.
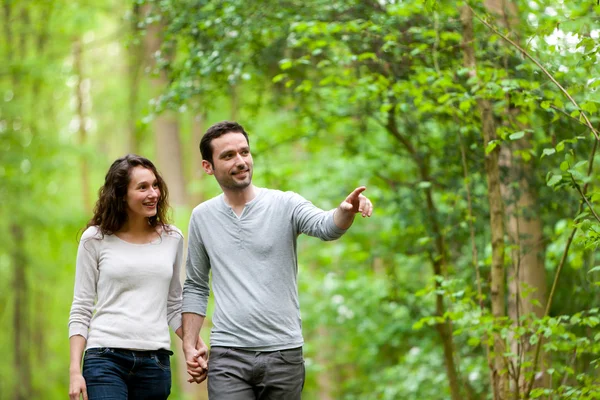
{"x":473,"y":124}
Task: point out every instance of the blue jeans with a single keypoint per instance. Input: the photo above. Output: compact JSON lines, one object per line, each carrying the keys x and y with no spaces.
{"x":235,"y":374}
{"x":119,"y":374}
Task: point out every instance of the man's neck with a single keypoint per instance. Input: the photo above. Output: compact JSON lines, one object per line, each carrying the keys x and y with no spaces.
{"x":239,"y":198}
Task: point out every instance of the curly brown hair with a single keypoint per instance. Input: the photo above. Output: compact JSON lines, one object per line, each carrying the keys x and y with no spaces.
{"x":110,"y":212}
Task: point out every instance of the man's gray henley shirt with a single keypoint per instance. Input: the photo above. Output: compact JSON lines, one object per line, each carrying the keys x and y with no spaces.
{"x":254,"y":266}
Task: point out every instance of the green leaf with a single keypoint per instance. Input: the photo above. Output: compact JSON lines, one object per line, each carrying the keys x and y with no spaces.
{"x":278,"y":78}
{"x":517,"y":135}
{"x":491,"y":146}
{"x":548,"y":152}
{"x":580,"y":163}
{"x":564,"y":166}
{"x":285,"y":64}
{"x":444,"y":98}
{"x":558,"y":103}
{"x":464,"y":105}
{"x":589,"y":107}
{"x":554,"y":180}
{"x":418,"y":325}
{"x":533,"y":339}
{"x":367,"y":56}
{"x":596,"y":268}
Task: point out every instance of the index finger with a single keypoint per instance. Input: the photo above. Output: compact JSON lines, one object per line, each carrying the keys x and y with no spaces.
{"x":357,"y":191}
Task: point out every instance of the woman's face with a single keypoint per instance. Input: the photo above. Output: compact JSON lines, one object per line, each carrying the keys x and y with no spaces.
{"x":142,"y":193}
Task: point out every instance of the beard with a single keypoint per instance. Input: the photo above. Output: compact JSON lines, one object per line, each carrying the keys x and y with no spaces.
{"x":229,"y":181}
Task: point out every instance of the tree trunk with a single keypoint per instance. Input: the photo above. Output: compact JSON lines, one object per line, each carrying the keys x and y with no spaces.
{"x":527,"y":285}
{"x":234,"y":101}
{"x":197,"y":174}
{"x":22,"y":336}
{"x":497,"y":276}
{"x":82,"y":96}
{"x":39,"y":324}
{"x":169,"y":158}
{"x":440,"y":269}
{"x":438,"y":259}
{"x":22,"y":388}
{"x":135,"y":62}
{"x":527,"y":278}
{"x":169,"y":162}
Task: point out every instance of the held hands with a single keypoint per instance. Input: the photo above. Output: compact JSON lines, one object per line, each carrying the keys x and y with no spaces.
{"x":77,"y":387}
{"x":196,"y":360}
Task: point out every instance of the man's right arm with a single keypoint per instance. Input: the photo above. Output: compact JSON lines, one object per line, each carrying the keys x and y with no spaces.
{"x":194,"y":349}
{"x":195,"y":301}
{"x":196,"y":287}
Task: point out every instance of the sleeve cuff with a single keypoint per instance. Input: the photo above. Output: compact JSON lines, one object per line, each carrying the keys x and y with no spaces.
{"x":175,"y":322}
{"x":335,"y":230}
{"x":194,"y":310}
{"x":76,"y":329}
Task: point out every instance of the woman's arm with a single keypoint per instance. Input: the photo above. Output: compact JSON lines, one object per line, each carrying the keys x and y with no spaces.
{"x":84,"y":294}
{"x":174,"y":297}
{"x":77,"y":385}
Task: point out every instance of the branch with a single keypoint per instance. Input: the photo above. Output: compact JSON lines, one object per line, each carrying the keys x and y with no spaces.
{"x":558,"y":271}
{"x":567,"y":114}
{"x":544,"y":70}
{"x":474,"y":252}
{"x":392,"y":128}
{"x":584,"y":197}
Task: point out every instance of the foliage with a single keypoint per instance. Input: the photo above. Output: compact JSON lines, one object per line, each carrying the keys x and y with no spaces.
{"x":392,"y":70}
{"x":335,"y":94}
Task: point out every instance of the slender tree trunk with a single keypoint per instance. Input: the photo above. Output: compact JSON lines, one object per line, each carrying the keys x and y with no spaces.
{"x":439,"y":260}
{"x":39,"y":324}
{"x":22,"y":337}
{"x":135,"y":63}
{"x":497,"y":276}
{"x":234,"y":101}
{"x":82,"y":95}
{"x":440,"y":269}
{"x":197,"y":174}
{"x":22,"y":388}
{"x":169,"y":156}
{"x":527,"y":278}
{"x":169,"y":161}
{"x":166,"y":128}
{"x":527,"y":285}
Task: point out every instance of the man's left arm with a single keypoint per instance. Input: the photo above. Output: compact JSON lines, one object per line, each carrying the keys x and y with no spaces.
{"x":354,"y":203}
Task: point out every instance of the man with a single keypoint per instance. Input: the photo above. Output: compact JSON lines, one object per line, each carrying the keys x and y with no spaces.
{"x":247,"y":237}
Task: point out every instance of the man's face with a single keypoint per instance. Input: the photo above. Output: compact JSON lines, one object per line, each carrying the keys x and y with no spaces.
{"x":232,"y":161}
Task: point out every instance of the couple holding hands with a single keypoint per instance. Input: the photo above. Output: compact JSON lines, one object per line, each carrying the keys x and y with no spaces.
{"x":127,"y":289}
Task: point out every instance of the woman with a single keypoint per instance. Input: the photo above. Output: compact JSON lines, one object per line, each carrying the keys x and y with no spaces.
{"x":127,"y":289}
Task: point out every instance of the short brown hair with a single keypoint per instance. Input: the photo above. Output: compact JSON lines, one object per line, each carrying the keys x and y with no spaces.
{"x":217,"y":130}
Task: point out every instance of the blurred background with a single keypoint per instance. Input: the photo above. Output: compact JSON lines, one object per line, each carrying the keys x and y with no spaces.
{"x":473,"y":125}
